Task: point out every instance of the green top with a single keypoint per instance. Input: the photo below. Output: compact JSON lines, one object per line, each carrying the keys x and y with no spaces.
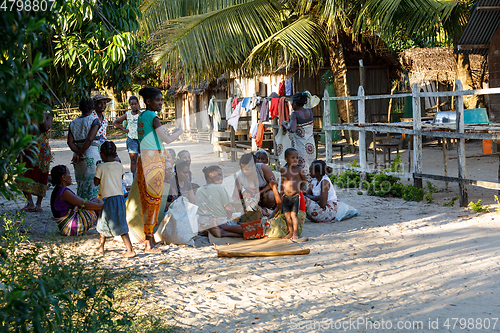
{"x":212,"y":199}
{"x":146,"y":132}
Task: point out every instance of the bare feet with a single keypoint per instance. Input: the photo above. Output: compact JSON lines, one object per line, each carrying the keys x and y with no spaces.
{"x":129,"y":254}
{"x":29,"y":208}
{"x":289,"y":236}
{"x":295,"y":236}
{"x":152,"y":250}
{"x":99,"y":250}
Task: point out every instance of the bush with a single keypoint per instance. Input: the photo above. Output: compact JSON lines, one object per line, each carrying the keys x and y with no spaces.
{"x":412,"y":193}
{"x":348,"y":178}
{"x":478,"y":207}
{"x":44,"y":290}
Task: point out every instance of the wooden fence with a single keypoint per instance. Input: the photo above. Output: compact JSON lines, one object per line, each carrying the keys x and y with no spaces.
{"x":417,"y":130}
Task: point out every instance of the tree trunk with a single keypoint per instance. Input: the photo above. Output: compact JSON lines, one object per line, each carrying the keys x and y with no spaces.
{"x":339,"y":71}
{"x":464,"y":74}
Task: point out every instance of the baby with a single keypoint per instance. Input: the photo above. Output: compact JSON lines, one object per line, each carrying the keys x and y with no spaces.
{"x":293,"y":179}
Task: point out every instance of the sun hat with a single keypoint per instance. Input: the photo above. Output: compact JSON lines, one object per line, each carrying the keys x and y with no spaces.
{"x":100,"y":97}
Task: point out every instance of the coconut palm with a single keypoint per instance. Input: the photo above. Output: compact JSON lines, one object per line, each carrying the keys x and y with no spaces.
{"x":199,"y":39}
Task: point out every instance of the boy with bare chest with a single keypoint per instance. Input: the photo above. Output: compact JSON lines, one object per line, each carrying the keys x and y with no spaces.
{"x":293,"y":180}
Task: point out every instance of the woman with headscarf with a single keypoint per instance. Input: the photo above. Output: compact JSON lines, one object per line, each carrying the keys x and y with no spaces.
{"x":298,"y":133}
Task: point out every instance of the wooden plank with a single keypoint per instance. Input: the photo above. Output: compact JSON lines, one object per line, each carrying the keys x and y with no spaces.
{"x":328,"y":134}
{"x":417,"y":139}
{"x":462,"y":169}
{"x":233,"y":153}
{"x":462,"y":181}
{"x":362,"y":133}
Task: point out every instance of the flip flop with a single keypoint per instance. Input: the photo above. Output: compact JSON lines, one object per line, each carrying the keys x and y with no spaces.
{"x":30,"y":210}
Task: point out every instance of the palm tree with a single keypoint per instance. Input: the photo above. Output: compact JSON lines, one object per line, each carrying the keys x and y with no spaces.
{"x":199,"y":39}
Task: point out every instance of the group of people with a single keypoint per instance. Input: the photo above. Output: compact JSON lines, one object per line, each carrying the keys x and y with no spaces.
{"x":98,"y":171}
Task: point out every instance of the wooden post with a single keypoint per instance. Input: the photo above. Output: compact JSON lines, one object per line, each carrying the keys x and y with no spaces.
{"x":417,"y":136}
{"x":462,"y":169}
{"x":254,"y":121}
{"x":445,"y":157}
{"x":328,"y":131}
{"x":233,"y":153}
{"x":362,"y":133}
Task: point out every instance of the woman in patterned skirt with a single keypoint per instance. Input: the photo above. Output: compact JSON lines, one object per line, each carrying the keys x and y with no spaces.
{"x":151,"y":163}
{"x":37,"y":166}
{"x":84,"y":142}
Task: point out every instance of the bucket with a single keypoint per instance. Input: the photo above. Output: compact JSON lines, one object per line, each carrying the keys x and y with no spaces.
{"x":476,"y":116}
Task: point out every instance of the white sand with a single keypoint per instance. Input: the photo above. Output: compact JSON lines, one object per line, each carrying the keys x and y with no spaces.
{"x":397,"y":261}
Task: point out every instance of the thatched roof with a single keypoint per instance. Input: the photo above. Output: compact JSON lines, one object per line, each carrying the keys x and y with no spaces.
{"x":213,"y":85}
{"x":438,"y":64}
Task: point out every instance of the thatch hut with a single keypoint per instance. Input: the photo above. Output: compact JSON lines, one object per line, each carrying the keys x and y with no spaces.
{"x":435,"y":69}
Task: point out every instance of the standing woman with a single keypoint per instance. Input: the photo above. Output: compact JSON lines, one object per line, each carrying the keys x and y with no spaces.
{"x":100,"y":103}
{"x":151,"y":163}
{"x":132,"y":139}
{"x":38,"y":167}
{"x":84,"y":142}
{"x":301,"y":131}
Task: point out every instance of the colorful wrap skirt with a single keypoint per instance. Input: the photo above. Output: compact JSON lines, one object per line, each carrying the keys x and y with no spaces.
{"x":77,"y":221}
{"x":150,"y":178}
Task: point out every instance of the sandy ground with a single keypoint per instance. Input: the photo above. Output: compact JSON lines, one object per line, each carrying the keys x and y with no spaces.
{"x":399,"y":266}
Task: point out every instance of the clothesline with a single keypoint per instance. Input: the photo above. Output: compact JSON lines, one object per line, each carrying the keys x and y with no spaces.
{"x":288,"y":98}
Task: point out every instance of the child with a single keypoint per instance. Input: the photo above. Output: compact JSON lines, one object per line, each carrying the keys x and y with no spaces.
{"x":180,"y":184}
{"x":293,"y":179}
{"x":186,"y":156}
{"x":112,"y":220}
{"x":131,"y":130}
{"x":171,"y":156}
{"x":214,"y":205}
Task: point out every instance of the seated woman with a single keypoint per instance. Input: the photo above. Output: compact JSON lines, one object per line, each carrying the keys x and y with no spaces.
{"x":180,"y":185}
{"x":321,"y":201}
{"x":74,"y":215}
{"x":214,"y":206}
{"x":256,"y":185}
{"x":261,"y":156}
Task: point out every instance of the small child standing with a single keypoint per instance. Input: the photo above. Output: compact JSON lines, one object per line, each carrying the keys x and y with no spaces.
{"x":112,"y":219}
{"x":293,"y":180}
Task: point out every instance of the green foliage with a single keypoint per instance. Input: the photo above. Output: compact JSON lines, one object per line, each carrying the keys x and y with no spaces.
{"x":478,"y":207}
{"x":451,"y":202}
{"x":381,"y":184}
{"x":94,"y":46}
{"x":432,"y":189}
{"x":21,"y":77}
{"x":497,"y":210}
{"x":348,"y":178}
{"x":45,"y":290}
{"x":412,"y":193}
{"x":397,"y":190}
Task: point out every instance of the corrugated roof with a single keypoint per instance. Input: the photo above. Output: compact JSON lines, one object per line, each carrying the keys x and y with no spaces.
{"x":480,"y":28}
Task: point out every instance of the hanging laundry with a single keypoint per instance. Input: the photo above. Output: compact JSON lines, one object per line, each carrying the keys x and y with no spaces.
{"x":281,"y":89}
{"x":213,"y":110}
{"x":259,"y":137}
{"x":273,"y":110}
{"x":289,"y":87}
{"x":235,"y":102}
{"x":235,"y":117}
{"x":256,"y":100}
{"x":228,"y":108}
{"x":245,"y":104}
{"x":264,"y":111}
{"x":253,"y":130}
{"x":283,"y":110}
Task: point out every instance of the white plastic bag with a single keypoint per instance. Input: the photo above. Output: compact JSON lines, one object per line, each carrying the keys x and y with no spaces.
{"x":179,"y":225}
{"x":344,"y":211}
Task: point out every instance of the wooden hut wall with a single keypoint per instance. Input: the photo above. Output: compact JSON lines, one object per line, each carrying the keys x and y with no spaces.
{"x":191,"y":111}
{"x":377,"y":83}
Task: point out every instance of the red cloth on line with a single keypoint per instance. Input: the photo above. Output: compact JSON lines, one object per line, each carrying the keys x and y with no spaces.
{"x":283,"y":110}
{"x":259,"y":137}
{"x":273,"y":109}
{"x":281,"y":89}
{"x":235,"y":103}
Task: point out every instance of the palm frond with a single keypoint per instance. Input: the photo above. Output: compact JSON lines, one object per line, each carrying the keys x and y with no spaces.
{"x":208,"y":45}
{"x":426,"y":16}
{"x":303,"y":41}
{"x":156,"y":12}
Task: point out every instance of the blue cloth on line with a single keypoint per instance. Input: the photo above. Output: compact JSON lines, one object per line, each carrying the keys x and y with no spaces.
{"x":289,"y":87}
{"x":245,"y":104}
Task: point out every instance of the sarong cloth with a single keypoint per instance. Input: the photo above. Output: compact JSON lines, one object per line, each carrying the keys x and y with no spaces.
{"x":150,"y":178}
{"x":302,"y":140}
{"x":76,"y":222}
{"x":38,"y":165}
